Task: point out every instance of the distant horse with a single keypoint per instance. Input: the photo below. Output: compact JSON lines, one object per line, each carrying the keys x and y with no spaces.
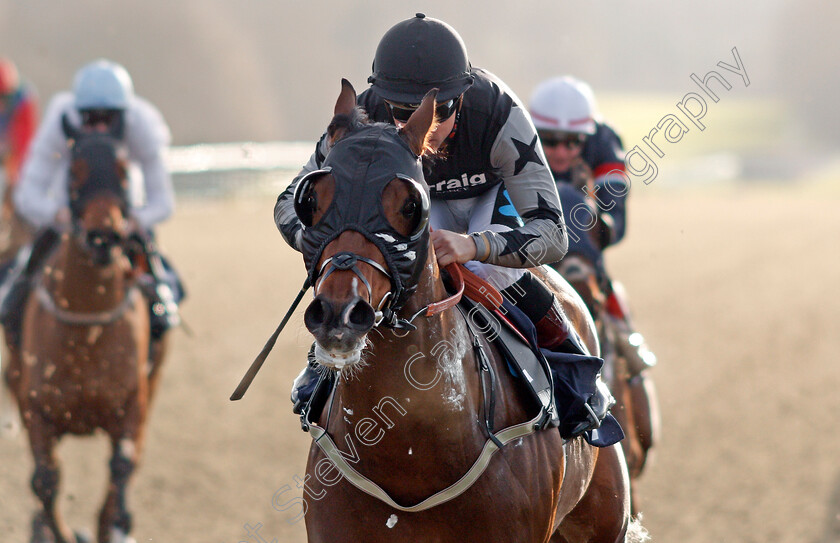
{"x":14,"y":231}
{"x":82,"y":364}
{"x":636,"y":407}
{"x":406,"y":412}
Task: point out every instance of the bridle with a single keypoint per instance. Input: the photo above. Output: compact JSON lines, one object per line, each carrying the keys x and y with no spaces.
{"x":385,"y":314}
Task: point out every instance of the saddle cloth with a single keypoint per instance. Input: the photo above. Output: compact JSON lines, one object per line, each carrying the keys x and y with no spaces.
{"x":560,"y":382}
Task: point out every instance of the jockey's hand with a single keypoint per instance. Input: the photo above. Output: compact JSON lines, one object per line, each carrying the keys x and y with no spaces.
{"x":132,"y":226}
{"x":581,"y":175}
{"x":452,"y":247}
{"x":604,"y":231}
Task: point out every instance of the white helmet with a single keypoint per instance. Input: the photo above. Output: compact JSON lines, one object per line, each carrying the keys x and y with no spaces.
{"x":102,"y":84}
{"x":564,"y":104}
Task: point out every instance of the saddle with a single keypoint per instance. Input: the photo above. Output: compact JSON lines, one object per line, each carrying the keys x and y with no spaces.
{"x":566,"y":386}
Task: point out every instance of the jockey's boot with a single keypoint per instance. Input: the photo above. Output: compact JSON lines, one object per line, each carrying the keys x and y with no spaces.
{"x":163,"y":309}
{"x":305,"y":383}
{"x":631,"y":344}
{"x":18,"y":282}
{"x":555,"y":333}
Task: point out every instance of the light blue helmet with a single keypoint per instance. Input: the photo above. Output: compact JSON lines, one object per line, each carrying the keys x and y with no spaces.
{"x":102,"y":84}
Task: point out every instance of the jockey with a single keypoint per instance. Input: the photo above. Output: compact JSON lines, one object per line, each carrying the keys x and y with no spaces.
{"x":102,"y":98}
{"x":586,"y":158}
{"x":18,"y":119}
{"x":494,"y":203}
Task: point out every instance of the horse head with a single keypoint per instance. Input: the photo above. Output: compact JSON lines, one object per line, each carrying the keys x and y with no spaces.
{"x":98,"y":192}
{"x":365,"y":218}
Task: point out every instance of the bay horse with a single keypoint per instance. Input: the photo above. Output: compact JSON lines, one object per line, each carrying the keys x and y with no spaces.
{"x":406,"y":408}
{"x":636,"y":407}
{"x":83,"y":361}
{"x":14,"y":230}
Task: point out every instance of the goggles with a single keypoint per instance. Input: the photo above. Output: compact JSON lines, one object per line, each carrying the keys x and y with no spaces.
{"x":402,"y":112}
{"x":93,"y":117}
{"x":566,"y":139}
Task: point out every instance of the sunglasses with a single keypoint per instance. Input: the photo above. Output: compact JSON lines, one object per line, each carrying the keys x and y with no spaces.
{"x":569,"y":141}
{"x":402,"y":112}
{"x":92,"y":117}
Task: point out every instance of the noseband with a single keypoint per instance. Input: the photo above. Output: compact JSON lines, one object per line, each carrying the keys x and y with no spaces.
{"x":347,"y":260}
{"x":385,"y":315}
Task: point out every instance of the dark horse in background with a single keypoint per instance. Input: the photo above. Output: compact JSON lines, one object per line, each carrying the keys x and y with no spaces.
{"x":636,"y":408}
{"x":407,"y":408}
{"x":83,"y":362}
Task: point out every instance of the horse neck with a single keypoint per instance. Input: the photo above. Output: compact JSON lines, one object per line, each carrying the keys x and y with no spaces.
{"x":427,"y":371}
{"x":78,"y":284}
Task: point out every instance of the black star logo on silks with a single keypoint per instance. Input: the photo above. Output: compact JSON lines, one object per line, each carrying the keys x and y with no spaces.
{"x":544,"y":210}
{"x":515,"y":241}
{"x":527,"y":153}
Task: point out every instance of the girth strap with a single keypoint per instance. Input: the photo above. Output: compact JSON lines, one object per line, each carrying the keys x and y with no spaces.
{"x":370,"y":488}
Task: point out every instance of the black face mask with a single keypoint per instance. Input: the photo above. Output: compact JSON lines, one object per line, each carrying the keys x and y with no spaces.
{"x":363,"y":163}
{"x":100,"y":153}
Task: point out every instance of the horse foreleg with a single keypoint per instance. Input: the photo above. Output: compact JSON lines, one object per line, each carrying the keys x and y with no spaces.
{"x":9,"y":401}
{"x":115,"y":520}
{"x":157,"y":352}
{"x":645,"y":410}
{"x":603,"y":514}
{"x":47,"y":525}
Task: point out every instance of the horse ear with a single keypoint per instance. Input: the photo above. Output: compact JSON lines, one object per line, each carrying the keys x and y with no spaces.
{"x":346,"y":100}
{"x":416,"y":131}
{"x":70,"y":131}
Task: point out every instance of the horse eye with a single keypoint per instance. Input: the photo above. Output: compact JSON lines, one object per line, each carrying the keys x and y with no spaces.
{"x":312,"y":203}
{"x":409,"y":209}
{"x":307,"y":207}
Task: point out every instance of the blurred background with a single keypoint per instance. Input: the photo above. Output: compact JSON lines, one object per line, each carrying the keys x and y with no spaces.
{"x":730,"y":261}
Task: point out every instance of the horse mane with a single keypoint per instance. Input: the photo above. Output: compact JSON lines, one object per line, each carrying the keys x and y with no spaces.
{"x":345,"y":123}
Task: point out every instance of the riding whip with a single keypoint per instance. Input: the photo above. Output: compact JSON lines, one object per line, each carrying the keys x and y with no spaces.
{"x":260,"y":359}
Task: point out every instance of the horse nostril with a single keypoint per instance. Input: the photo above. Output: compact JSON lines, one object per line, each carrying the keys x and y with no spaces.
{"x":359,"y":315}
{"x":317,"y":314}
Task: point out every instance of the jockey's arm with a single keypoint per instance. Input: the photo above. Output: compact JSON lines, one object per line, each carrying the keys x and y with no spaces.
{"x":610,"y":181}
{"x":22,"y":128}
{"x":284,"y":210}
{"x":148,"y":137}
{"x":39,"y":195}
{"x":530,"y":185}
{"x":160,"y":197}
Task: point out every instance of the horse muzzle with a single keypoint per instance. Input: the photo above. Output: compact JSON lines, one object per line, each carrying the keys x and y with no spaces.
{"x":100,"y":244}
{"x":340,"y":329}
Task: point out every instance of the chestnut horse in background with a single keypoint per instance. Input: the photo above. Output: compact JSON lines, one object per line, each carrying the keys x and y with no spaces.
{"x":406,"y":411}
{"x":82,"y":364}
{"x":14,"y":231}
{"x":636,"y":408}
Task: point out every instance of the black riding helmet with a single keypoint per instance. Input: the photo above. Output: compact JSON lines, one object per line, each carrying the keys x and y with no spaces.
{"x":417,"y":55}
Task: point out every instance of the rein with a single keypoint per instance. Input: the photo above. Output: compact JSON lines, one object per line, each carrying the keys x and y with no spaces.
{"x":386,"y":315}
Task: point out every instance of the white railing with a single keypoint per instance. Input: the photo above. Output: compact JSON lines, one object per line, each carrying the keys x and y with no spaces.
{"x":279,"y":155}
{"x":222,"y":169}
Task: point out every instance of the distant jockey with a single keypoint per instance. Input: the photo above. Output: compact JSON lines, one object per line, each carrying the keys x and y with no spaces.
{"x":18,"y":120}
{"x":103,"y":98}
{"x":586,"y":157}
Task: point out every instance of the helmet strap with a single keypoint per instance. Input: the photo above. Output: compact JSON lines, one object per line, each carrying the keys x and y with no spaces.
{"x":457,"y":118}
